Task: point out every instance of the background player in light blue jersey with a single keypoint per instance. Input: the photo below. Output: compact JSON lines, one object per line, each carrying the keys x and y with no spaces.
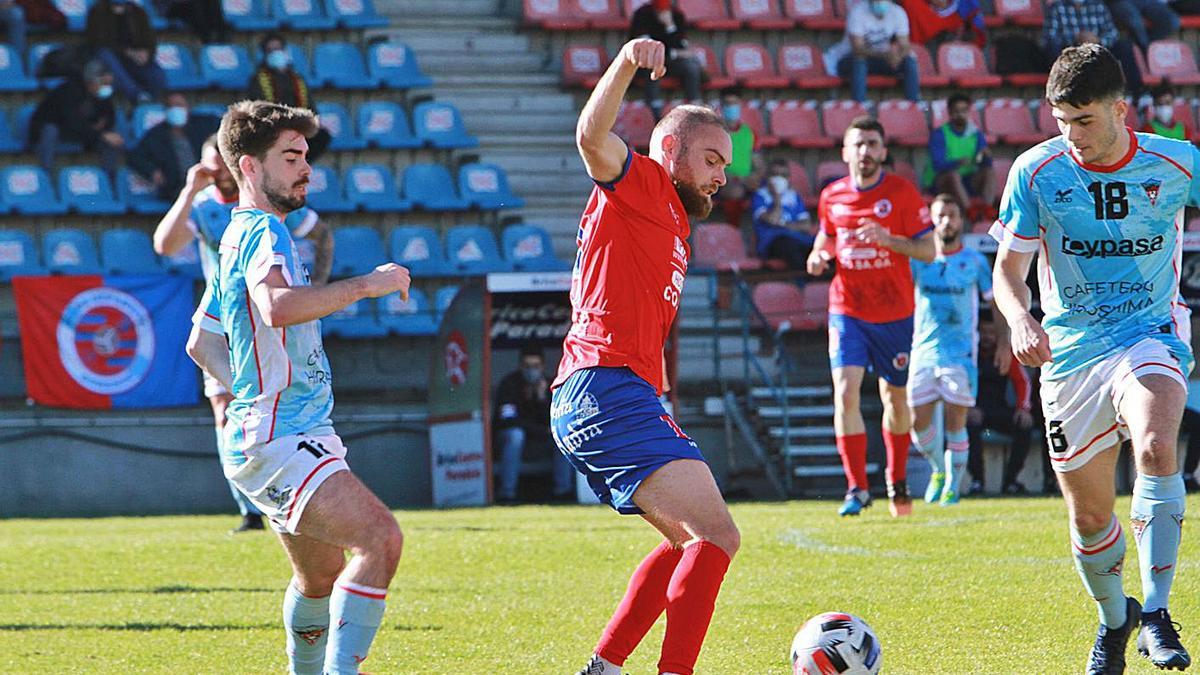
{"x":1104,"y":207}
{"x":202,"y":212}
{"x":945,"y":348}
{"x":280,"y":447}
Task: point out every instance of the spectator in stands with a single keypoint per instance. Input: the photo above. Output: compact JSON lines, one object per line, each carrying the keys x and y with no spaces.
{"x":732,"y":197}
{"x":782,"y":226}
{"x":876,"y":43}
{"x":277,"y":81}
{"x":80,"y":110}
{"x":661,"y":20}
{"x":12,"y":21}
{"x":169,"y":149}
{"x":1075,"y":22}
{"x":959,"y":160}
{"x":522,"y":422}
{"x":1134,"y":15}
{"x":119,"y":31}
{"x":931,"y":22}
{"x":206,"y":18}
{"x":1162,"y":118}
{"x":993,"y":411}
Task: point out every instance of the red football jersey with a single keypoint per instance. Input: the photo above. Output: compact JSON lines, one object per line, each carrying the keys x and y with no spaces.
{"x":629,"y":271}
{"x":872,"y":283}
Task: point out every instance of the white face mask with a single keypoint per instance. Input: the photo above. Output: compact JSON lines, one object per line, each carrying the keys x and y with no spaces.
{"x":780,"y":183}
{"x":1164,"y":113}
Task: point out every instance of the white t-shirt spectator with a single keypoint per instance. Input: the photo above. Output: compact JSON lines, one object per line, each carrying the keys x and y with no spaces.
{"x":877,"y":32}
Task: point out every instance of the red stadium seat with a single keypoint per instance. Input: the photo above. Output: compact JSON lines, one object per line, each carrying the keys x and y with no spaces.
{"x":1148,"y":78}
{"x":1173,"y":60}
{"x":583,"y":65}
{"x":906,"y":171}
{"x":829,"y":171}
{"x":712,"y":65}
{"x":803,"y":64}
{"x":1193,"y":225}
{"x":816,"y":299}
{"x":752,"y":66}
{"x":752,"y":116}
{"x":802,"y":183}
{"x":837,"y":115}
{"x":708,"y":14}
{"x":554,"y":14}
{"x":1131,"y":118}
{"x":1001,"y":166}
{"x":904,"y":122}
{"x":1026,"y":79}
{"x":797,"y":124}
{"x":814,"y":14}
{"x":718,"y":246}
{"x":929,"y":74}
{"x":1025,"y":13}
{"x":981,"y":227}
{"x":634,"y":123}
{"x":963,"y":63}
{"x":782,"y":302}
{"x":602,"y":14}
{"x":1045,"y":121}
{"x":1010,"y":120}
{"x":760,"y":14}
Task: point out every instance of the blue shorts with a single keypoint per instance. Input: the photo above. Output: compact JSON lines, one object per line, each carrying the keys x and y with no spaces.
{"x":612,"y":428}
{"x":880,"y":347}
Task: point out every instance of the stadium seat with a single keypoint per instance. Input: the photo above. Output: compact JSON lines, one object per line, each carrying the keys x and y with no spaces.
{"x":442,"y":299}
{"x":418,"y":248}
{"x":355,"y":321}
{"x":760,"y":15}
{"x":300,"y":62}
{"x":582,"y":65}
{"x":371,"y":187}
{"x":383,"y":124}
{"x":781,"y":302}
{"x":12,"y":72}
{"x":928,"y":72}
{"x":67,"y":251}
{"x":1001,"y":166}
{"x":75,"y":12}
{"x":211,"y":109}
{"x":816,"y":303}
{"x":27,"y":190}
{"x":906,"y":171}
{"x":802,"y":183}
{"x":471,"y":249}
{"x":139,"y":194}
{"x":186,"y":262}
{"x":797,"y":124}
{"x":719,"y":246}
{"x":963,"y":63}
{"x":225,"y":67}
{"x":816,"y":15}
{"x":340,"y":126}
{"x":356,"y":250}
{"x":1010,"y":120}
{"x":440,"y":125}
{"x":982,"y":226}
{"x":803,"y":64}
{"x":302,"y":15}
{"x":180,"y":67}
{"x":752,"y":67}
{"x":127,"y":251}
{"x":430,"y":187}
{"x":602,"y":14}
{"x":249,"y":15}
{"x":394,"y":64}
{"x":18,"y":255}
{"x":33,"y":61}
{"x":9,"y":140}
{"x":708,"y":14}
{"x":752,"y":117}
{"x":325,"y":191}
{"x":554,"y":15}
{"x":1193,"y":225}
{"x":340,"y":65}
{"x":485,"y":186}
{"x":635,"y":122}
{"x":1022,"y":13}
{"x":528,"y":249}
{"x":414,"y":317}
{"x":145,"y":117}
{"x":86,"y":190}
{"x":904,"y":122}
{"x":713,"y":67}
{"x":829,"y":171}
{"x":355,"y":14}
{"x":836,"y":117}
{"x":1173,"y":60}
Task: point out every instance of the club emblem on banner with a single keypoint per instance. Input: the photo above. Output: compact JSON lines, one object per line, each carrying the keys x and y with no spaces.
{"x":106,"y":340}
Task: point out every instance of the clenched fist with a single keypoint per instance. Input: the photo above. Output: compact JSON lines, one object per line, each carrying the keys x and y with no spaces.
{"x":648,"y":54}
{"x":385,"y":279}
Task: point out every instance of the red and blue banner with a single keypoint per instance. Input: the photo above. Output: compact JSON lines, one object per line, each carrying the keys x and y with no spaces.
{"x":96,"y":342}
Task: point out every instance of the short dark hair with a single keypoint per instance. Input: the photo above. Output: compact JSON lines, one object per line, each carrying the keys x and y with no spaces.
{"x":271,"y":37}
{"x":956,"y":98}
{"x":948,"y":198}
{"x":1164,"y":89}
{"x":531,"y":350}
{"x":1084,"y":74}
{"x":778,"y":161}
{"x":252,"y":127}
{"x":865,"y":123}
{"x":731,"y":91}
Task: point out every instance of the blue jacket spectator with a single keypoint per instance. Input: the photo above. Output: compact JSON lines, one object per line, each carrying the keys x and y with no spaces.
{"x":782,"y":226}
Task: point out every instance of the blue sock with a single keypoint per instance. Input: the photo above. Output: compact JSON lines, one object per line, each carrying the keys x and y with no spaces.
{"x":929,"y":444}
{"x":355,"y":613}
{"x":1098,"y":559}
{"x":956,"y":459}
{"x":307,"y":623}
{"x":1156,"y":516}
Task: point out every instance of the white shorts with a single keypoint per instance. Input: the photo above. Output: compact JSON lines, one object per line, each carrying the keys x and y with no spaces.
{"x":212,"y":387}
{"x":952,"y":384}
{"x":1082,"y":409}
{"x":281,"y":476}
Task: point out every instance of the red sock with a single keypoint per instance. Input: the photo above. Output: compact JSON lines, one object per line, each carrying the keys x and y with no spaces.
{"x":897,"y":455}
{"x":853,"y":449}
{"x":644,"y":601}
{"x":690,"y":601}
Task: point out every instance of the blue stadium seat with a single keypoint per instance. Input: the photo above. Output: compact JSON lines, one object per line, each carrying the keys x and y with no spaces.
{"x":184,"y":263}
{"x":485,"y":186}
{"x":145,"y":116}
{"x":29,"y":191}
{"x":418,"y":248}
{"x":371,"y":187}
{"x":126,"y":251}
{"x":395,"y":64}
{"x":529,"y":249}
{"x":325,"y":191}
{"x":157,"y":21}
{"x":9,"y":140}
{"x":355,"y":14}
{"x":383,"y":124}
{"x":249,"y":15}
{"x":87,"y":190}
{"x":472,"y":249}
{"x":76,"y":12}
{"x":340,"y":65}
{"x":442,"y":300}
{"x":213,"y":109}
{"x":34,"y":59}
{"x":356,"y":250}
{"x":429,"y":187}
{"x":12,"y":71}
{"x":226,"y":67}
{"x":303,"y":15}
{"x":356,"y":321}
{"x":408,"y":318}
{"x":340,"y":125}
{"x":139,"y":194}
{"x":69,"y":251}
{"x":441,"y":125}
{"x":177,"y":62}
{"x":300,"y":62}
{"x":18,"y":255}
{"x":21,"y":121}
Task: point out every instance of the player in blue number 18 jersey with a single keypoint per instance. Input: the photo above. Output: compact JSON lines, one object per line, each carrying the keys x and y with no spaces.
{"x":1102,"y":209}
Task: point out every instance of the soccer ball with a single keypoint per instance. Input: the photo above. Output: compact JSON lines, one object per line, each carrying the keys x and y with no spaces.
{"x":834,"y":643}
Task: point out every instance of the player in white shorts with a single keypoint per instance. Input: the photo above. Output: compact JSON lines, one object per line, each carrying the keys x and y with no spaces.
{"x":258,"y":332}
{"x":1102,"y":208}
{"x":946,"y":347}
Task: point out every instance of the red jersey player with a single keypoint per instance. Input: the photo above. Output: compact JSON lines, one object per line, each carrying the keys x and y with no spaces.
{"x":872,"y":222}
{"x":605,"y":414}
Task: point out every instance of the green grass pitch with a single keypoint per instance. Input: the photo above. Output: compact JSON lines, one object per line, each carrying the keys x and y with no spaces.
{"x":983,"y":587}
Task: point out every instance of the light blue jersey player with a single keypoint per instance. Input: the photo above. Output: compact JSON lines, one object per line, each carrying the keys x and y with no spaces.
{"x":1102,"y":209}
{"x":212,"y":211}
{"x":945,"y":348}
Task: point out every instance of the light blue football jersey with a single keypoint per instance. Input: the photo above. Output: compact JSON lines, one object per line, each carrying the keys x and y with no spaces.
{"x":946,"y":321}
{"x":1110,"y":240}
{"x":281,"y":378}
{"x":210,"y":216}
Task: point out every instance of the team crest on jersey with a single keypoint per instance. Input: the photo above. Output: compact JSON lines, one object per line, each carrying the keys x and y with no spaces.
{"x":1151,"y":187}
{"x":900,"y":361}
{"x":310,"y":634}
{"x":106,"y":340}
{"x":883,"y":208}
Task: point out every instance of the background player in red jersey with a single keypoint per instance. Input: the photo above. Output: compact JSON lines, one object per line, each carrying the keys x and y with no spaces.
{"x":605,"y":413}
{"x":873,"y":222}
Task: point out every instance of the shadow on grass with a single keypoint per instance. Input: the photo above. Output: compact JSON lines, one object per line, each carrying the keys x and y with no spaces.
{"x":146,"y":627}
{"x":159,"y":590}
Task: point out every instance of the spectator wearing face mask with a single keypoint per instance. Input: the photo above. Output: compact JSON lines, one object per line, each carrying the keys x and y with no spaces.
{"x":731,"y":198}
{"x":168,"y":149}
{"x":80,"y":110}
{"x":277,"y":81}
{"x":521,"y":422}
{"x":782,"y":227}
{"x":119,"y":31}
{"x":877,"y":43}
{"x":1162,"y":116}
{"x":661,"y":20}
